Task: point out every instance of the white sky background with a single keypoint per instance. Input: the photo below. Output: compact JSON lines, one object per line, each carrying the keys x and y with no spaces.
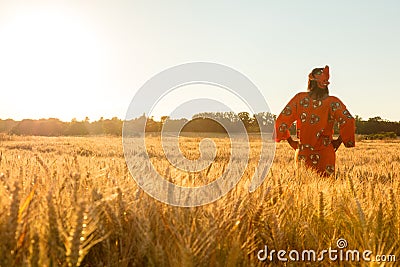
{"x":87,"y":58}
{"x":179,"y":102}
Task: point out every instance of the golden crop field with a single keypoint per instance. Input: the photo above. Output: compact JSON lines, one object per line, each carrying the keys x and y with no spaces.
{"x":71,"y":201}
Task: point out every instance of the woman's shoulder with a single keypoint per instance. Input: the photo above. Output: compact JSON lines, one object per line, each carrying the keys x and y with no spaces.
{"x":333,"y":98}
{"x":301,"y":95}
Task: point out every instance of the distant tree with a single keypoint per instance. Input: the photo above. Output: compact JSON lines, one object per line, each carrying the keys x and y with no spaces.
{"x":375,"y":119}
{"x":7,"y":125}
{"x":245,"y":118}
{"x":113,"y":126}
{"x":164,"y":119}
{"x":43,"y":127}
{"x":152,"y":125}
{"x":96,"y":127}
{"x":357,"y":118}
{"x":266,"y":121}
{"x":77,"y":128}
{"x":203,"y":125}
{"x":174,"y":125}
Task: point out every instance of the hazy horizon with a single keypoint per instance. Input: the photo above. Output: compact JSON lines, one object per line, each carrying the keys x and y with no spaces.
{"x":155,"y":118}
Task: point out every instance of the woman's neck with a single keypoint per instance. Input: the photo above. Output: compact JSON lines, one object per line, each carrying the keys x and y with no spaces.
{"x":318,"y":94}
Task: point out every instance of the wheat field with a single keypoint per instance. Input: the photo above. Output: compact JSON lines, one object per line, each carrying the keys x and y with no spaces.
{"x":71,"y":201}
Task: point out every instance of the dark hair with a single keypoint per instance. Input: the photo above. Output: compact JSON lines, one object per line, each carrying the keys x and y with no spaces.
{"x":313,"y":87}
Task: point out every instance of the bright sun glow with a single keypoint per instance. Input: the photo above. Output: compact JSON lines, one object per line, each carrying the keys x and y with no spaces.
{"x":49,"y":61}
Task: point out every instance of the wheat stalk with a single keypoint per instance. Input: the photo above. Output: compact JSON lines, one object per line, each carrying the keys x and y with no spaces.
{"x":321,"y":207}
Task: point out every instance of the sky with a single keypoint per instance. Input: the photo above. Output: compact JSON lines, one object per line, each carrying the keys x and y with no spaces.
{"x":72,"y":59}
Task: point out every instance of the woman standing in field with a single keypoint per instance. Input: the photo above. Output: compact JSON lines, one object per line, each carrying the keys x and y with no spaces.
{"x":315,"y":113}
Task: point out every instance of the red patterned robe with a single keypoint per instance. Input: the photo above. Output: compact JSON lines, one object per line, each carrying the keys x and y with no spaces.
{"x":315,"y":120}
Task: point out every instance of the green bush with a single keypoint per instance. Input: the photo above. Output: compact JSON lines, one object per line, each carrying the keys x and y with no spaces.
{"x":381,"y":136}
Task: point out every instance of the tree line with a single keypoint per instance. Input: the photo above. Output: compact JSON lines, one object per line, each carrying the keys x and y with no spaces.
{"x":56,"y":127}
{"x":202,"y":122}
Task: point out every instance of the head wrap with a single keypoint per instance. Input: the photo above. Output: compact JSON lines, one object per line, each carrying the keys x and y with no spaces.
{"x":320,"y":76}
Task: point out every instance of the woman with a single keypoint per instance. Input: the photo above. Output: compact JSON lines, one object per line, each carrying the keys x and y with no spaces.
{"x":315,"y":113}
